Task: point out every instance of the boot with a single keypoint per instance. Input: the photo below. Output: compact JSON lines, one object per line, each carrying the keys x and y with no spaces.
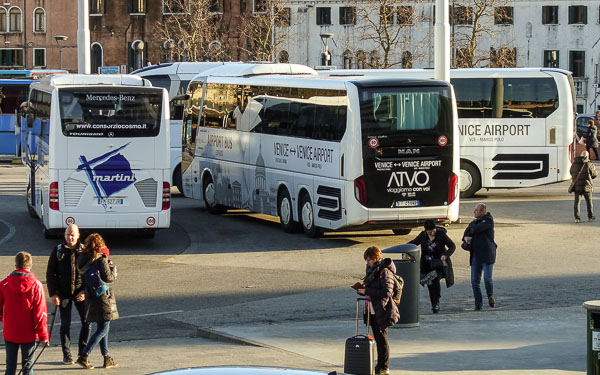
{"x":83,"y":362}
{"x":109,"y":362}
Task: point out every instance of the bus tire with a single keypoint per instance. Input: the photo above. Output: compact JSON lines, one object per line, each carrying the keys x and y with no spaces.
{"x":307,"y":217}
{"x":30,"y":208}
{"x":148,"y":233}
{"x":209,"y":194}
{"x":470,"y":180}
{"x":49,"y":233}
{"x":402,"y":231}
{"x":177,"y":180}
{"x":285,"y":212}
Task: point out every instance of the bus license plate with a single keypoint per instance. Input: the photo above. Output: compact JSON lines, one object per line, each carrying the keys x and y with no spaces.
{"x":110,"y":201}
{"x":413,"y":203}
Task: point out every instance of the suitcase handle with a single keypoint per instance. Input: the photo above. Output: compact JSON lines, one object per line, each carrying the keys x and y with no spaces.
{"x":367,"y":311}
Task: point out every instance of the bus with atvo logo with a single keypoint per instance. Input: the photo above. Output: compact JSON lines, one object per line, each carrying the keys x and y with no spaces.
{"x":101,"y":159}
{"x":322,"y":154}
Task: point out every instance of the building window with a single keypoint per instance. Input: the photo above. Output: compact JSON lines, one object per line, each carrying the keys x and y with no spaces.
{"x":462,"y":15}
{"x":503,"y":57}
{"x":577,"y":14}
{"x":182,"y":6}
{"x":407,"y":60}
{"x":96,"y":57}
{"x":405,"y":14}
{"x":348,"y":57}
{"x":323,"y":16}
{"x":361,"y":60}
{"x":39,"y":57}
{"x":3,"y":22}
{"x":137,"y":6}
{"x":551,"y":59}
{"x":96,"y":6}
{"x":375,"y":61}
{"x":259,"y":6}
{"x":39,"y":20}
{"x":503,"y":15}
{"x":463,"y":58}
{"x":14,"y":19}
{"x":550,"y":15}
{"x":347,"y":16}
{"x":216,"y":6}
{"x":326,"y":58}
{"x":284,"y":57}
{"x":283,"y":17}
{"x":386,"y":15}
{"x":577,"y":63}
{"x":11,"y":57}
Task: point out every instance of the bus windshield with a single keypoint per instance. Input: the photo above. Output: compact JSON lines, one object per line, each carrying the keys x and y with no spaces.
{"x":390,"y":114}
{"x":110,"y":113}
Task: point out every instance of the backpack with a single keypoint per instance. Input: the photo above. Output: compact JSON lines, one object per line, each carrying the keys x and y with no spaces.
{"x":93,"y":282}
{"x":398,"y":285}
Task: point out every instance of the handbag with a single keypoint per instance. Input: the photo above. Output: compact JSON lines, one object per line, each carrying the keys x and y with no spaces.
{"x":581,"y":140}
{"x":572,"y":185}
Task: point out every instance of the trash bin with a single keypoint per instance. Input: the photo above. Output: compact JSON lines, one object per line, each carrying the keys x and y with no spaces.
{"x":593,"y":337}
{"x":407,"y":259}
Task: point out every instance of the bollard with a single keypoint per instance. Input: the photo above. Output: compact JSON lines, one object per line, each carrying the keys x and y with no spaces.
{"x":407,"y":259}
{"x":593,"y":337}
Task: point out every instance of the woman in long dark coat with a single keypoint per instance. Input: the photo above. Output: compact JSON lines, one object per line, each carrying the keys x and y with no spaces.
{"x":436,"y":248}
{"x":100,"y":310}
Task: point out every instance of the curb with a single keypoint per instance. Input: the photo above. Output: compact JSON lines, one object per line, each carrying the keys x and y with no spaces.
{"x":210,"y":334}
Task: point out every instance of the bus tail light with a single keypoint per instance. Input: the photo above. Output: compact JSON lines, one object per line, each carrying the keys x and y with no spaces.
{"x":166,"y":196}
{"x":360,"y":191}
{"x":571,"y":152}
{"x":53,"y":196}
{"x":452,"y":188}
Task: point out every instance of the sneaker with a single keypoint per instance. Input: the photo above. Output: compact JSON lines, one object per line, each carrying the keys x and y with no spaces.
{"x":592,"y":218}
{"x":577,"y":220}
{"x":67,"y":359}
{"x":83,"y":362}
{"x":384,"y":371}
{"x":477,"y":308}
{"x":492,"y":301}
{"x":109,"y":362}
{"x":436,"y":308}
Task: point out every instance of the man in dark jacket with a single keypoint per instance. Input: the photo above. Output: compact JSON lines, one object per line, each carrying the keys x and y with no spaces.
{"x":65,"y":287}
{"x":591,"y":137}
{"x":478,"y":239}
{"x":23,"y":314}
{"x":583,"y":172}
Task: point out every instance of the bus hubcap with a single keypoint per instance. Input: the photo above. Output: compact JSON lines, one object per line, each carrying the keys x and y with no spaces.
{"x":285,"y":210}
{"x":209,"y":194}
{"x":307,"y":218}
{"x":466,"y":180}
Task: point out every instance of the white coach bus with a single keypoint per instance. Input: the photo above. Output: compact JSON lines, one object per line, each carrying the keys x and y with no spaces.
{"x":516,"y":124}
{"x":175,"y":77}
{"x":101,"y":159}
{"x":321,"y":153}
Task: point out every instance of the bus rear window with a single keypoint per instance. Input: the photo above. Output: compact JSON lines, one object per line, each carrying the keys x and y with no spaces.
{"x":110,"y":113}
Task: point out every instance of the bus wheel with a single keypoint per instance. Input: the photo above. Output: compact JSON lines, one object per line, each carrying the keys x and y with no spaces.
{"x":210,"y":197}
{"x":30,"y":208}
{"x":470,"y":181}
{"x":286,"y":215}
{"x":177,"y":180}
{"x":402,"y":231}
{"x":307,"y":218}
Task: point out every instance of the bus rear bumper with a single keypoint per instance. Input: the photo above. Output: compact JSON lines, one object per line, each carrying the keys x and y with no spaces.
{"x":109,"y":220}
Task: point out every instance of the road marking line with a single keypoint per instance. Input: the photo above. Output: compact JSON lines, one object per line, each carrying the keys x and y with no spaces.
{"x":11,"y":231}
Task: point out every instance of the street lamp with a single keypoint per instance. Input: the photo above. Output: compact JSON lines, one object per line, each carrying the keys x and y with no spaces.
{"x":60,"y":38}
{"x":325,"y":57}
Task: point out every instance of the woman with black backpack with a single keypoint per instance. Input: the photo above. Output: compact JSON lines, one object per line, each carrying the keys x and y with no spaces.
{"x":101,"y":305}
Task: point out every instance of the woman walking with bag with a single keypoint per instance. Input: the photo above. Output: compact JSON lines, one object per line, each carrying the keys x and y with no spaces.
{"x":101,"y":305}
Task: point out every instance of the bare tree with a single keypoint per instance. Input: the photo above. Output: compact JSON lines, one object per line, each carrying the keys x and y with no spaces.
{"x":189,"y":30}
{"x":265,"y":30}
{"x":389,"y":26}
{"x":477,"y":22}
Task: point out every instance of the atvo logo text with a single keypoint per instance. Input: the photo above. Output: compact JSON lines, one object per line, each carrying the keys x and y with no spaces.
{"x":403,"y":178}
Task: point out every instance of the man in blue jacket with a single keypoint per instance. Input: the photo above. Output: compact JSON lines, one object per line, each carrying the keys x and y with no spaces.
{"x":478,"y":239}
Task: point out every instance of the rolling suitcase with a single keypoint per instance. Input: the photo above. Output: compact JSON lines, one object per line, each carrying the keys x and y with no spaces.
{"x":359,"y":356}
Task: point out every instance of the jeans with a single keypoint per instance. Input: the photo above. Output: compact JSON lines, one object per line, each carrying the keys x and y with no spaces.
{"x":588,"y":201}
{"x":383,"y":347}
{"x":99,"y":337}
{"x":65,"y":326}
{"x":12,"y":351}
{"x":476,"y":270}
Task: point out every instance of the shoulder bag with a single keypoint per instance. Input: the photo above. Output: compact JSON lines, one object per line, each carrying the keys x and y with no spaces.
{"x":572,"y":186}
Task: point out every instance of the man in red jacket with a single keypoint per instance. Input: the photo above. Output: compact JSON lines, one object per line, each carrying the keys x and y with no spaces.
{"x":23,"y":314}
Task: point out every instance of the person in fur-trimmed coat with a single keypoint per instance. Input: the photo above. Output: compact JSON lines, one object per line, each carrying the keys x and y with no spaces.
{"x":379,"y":286}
